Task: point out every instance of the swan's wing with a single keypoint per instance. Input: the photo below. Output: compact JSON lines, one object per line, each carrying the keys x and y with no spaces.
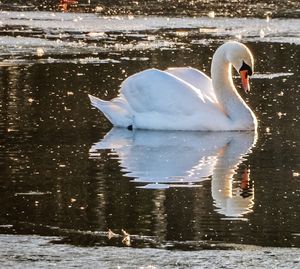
{"x":196,"y":78}
{"x":157,"y":91}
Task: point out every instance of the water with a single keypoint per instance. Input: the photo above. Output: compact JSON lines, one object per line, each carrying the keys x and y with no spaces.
{"x":64,"y":172}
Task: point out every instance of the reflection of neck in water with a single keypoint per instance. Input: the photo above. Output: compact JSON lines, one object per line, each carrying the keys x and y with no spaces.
{"x":183,"y":159}
{"x":230,"y":201}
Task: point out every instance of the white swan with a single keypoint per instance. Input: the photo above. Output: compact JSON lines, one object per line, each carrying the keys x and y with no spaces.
{"x":185,"y":98}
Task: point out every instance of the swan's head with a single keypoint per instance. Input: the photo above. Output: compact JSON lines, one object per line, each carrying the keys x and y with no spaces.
{"x":242,"y":60}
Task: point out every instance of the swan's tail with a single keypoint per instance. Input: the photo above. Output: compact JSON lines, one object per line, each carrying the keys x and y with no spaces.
{"x":117,"y":111}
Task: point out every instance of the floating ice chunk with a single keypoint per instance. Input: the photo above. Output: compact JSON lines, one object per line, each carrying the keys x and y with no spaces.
{"x":238,"y":36}
{"x":96,"y":34}
{"x":40,"y":52}
{"x":271,"y":75}
{"x":211,"y":14}
{"x":31,"y":193}
{"x":99,"y":9}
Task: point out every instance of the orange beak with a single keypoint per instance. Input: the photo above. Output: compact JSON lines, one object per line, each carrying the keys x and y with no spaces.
{"x":245,"y":80}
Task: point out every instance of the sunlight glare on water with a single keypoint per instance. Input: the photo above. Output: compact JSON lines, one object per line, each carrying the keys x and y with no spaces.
{"x":64,"y":171}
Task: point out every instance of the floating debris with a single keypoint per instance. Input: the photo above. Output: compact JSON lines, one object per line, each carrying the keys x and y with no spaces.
{"x":126,"y":238}
{"x":211,"y":14}
{"x":40,"y":52}
{"x":99,"y":9}
{"x":111,"y":234}
{"x":31,"y":193}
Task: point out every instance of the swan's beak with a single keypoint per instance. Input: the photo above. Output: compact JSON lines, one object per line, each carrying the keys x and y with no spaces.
{"x":245,"y":80}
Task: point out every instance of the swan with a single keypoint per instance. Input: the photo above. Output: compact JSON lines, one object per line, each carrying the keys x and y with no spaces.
{"x":185,"y":98}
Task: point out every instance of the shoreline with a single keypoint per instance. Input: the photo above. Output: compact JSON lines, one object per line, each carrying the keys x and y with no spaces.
{"x":27,"y":251}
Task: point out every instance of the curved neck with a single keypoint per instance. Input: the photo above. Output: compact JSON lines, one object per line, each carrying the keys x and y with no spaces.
{"x":230,"y":101}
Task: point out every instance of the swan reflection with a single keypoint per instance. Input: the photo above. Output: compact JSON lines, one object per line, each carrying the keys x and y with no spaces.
{"x":164,"y":159}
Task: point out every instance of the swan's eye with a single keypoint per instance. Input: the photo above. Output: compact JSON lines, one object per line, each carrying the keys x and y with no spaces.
{"x":247,"y":68}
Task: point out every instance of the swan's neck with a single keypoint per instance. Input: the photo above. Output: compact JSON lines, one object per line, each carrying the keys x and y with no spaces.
{"x":230,"y":101}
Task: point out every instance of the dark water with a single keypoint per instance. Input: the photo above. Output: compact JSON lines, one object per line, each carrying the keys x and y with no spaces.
{"x":56,"y":180}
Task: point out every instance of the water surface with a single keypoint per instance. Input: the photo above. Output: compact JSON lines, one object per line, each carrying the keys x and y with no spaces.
{"x":65,"y":172}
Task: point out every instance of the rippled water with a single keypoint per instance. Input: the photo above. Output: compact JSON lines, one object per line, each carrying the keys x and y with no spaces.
{"x":65,"y":172}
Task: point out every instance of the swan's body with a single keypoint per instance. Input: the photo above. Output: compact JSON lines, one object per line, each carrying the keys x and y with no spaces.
{"x":184,"y":98}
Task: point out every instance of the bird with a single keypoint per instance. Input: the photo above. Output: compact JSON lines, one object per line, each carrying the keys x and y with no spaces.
{"x":185,"y":98}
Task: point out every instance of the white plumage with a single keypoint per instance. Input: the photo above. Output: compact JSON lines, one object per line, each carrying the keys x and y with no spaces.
{"x":184,"y":98}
